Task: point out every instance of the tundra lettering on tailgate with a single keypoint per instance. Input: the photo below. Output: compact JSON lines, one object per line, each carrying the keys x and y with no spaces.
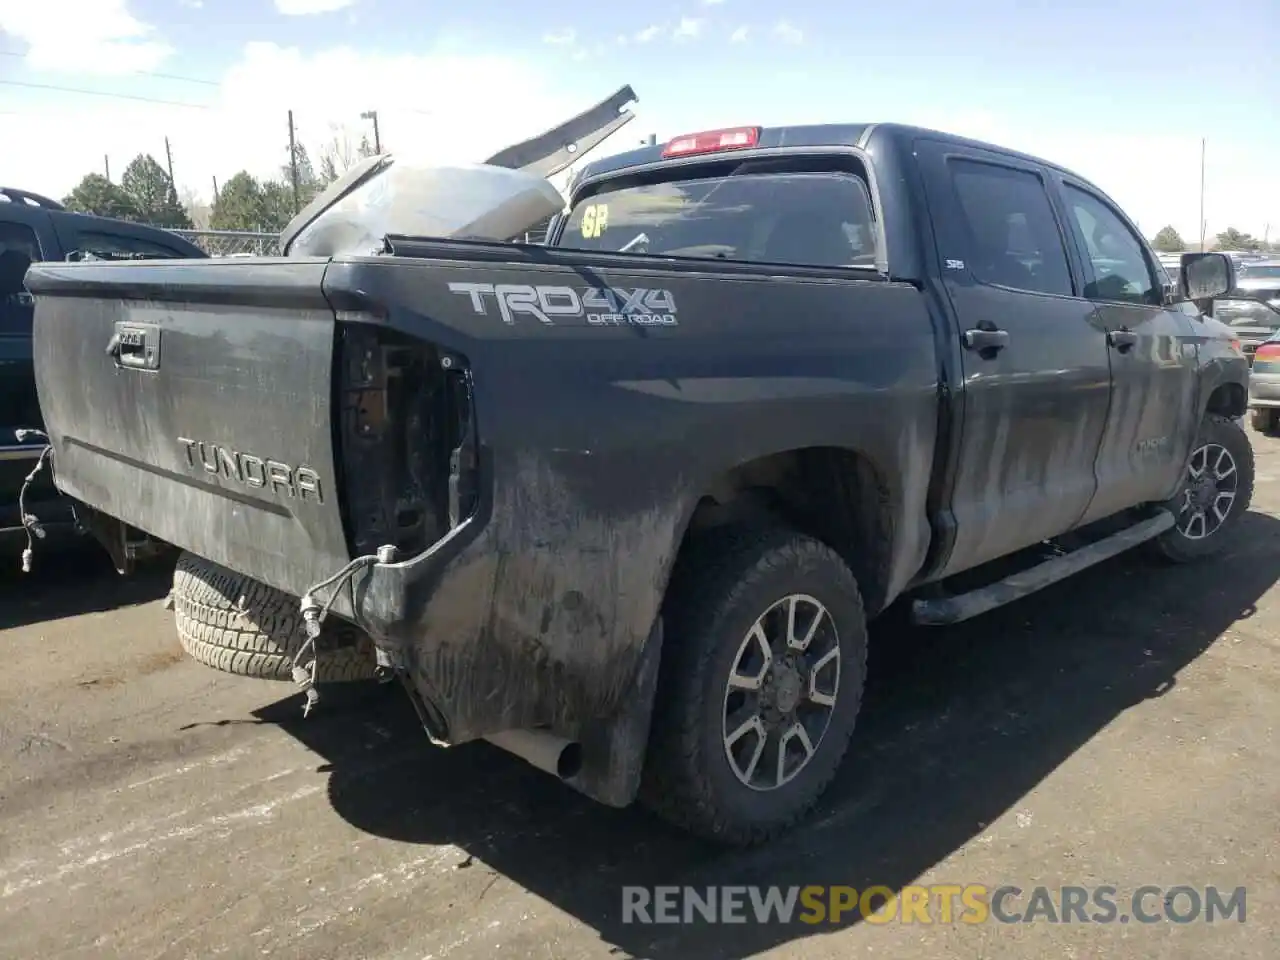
{"x":253,"y":471}
{"x":599,"y":306}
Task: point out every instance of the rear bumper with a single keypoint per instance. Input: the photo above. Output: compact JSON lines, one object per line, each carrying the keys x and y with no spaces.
{"x":56,"y":515}
{"x":1264,"y":390}
{"x":21,"y":453}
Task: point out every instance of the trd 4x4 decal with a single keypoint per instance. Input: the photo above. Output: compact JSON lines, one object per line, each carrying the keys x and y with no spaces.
{"x":598,"y":306}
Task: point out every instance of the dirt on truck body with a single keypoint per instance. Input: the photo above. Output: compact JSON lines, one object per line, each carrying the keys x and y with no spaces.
{"x":624,"y":503}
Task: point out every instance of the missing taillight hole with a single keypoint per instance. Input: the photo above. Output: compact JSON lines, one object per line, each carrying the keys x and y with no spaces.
{"x":405,"y":424}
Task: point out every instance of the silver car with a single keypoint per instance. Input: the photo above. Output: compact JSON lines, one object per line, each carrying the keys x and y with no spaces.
{"x":1252,"y":309}
{"x":1264,"y":385}
{"x":1259,"y":278}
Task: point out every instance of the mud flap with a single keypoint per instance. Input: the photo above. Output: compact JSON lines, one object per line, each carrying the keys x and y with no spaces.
{"x":613,"y":753}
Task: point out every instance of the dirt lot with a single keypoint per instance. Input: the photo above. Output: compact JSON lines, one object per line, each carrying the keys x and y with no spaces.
{"x":1120,"y":728}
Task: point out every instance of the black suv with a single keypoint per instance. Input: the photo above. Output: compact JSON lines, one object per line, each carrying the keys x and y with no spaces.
{"x":34,"y":228}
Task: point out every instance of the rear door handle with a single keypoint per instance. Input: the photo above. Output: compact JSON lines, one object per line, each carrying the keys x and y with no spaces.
{"x":1122,"y":340}
{"x":981,"y":340}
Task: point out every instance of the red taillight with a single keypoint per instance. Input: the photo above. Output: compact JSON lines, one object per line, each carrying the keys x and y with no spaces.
{"x":1268,"y":351}
{"x":732,"y":138}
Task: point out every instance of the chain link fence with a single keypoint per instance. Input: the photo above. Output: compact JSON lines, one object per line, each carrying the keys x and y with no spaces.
{"x":233,"y":243}
{"x":538,"y":234}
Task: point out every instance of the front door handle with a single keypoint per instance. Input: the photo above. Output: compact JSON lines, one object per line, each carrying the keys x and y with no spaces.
{"x":1123,"y":340}
{"x":982,"y":340}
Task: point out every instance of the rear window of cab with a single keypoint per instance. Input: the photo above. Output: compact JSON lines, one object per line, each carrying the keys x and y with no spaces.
{"x":808,"y":219}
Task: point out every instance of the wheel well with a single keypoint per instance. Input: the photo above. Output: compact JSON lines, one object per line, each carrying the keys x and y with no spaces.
{"x":834,"y":495}
{"x":1228,"y":400}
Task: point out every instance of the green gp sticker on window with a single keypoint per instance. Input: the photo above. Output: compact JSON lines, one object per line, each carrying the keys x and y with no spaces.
{"x":595,"y":219}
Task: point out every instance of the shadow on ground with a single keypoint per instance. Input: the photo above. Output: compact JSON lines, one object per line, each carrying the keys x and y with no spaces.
{"x":71,"y":578}
{"x":959,"y":725}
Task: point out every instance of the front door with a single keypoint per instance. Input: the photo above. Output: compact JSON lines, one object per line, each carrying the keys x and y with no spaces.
{"x":1036,"y":372}
{"x":1153,"y":418}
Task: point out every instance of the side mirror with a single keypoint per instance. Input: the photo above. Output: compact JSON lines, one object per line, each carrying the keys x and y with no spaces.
{"x":1204,"y":276}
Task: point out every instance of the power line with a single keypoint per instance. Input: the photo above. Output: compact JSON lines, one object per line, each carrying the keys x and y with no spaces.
{"x":102,"y":93}
{"x":139,"y":73}
{"x":158,"y":76}
{"x":140,"y":99}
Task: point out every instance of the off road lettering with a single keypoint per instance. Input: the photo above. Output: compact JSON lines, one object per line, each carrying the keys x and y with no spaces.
{"x":252,"y":471}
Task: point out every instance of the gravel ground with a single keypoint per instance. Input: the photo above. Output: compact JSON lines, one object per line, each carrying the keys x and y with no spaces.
{"x":1119,"y":728}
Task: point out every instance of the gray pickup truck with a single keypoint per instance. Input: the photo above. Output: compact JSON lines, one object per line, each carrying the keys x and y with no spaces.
{"x":624,"y":503}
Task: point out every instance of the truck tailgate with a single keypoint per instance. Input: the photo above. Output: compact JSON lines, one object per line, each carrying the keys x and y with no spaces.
{"x":193,"y":400}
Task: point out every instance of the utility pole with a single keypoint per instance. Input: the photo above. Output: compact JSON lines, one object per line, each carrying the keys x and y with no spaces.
{"x":106,"y":165}
{"x":173,"y":184}
{"x":1202,"y":222}
{"x":377,"y":138}
{"x":215,"y":189}
{"x":293,"y":164}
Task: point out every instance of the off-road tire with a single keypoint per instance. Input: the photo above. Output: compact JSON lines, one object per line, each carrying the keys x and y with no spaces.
{"x":1265,"y":420}
{"x":1172,"y":545}
{"x":237,"y":625}
{"x":720,"y":586}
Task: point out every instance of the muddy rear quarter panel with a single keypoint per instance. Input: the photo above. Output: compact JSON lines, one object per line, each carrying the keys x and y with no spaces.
{"x":598,"y":440}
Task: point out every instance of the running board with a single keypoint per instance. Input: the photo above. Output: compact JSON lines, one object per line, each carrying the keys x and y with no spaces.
{"x":944,"y":610}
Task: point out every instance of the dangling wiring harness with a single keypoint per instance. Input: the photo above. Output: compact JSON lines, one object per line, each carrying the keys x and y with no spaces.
{"x":313,"y":616}
{"x":314,"y":612}
{"x":30,"y":522}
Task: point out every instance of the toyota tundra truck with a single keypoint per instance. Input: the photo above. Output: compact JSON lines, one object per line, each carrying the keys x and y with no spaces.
{"x":623,"y":503}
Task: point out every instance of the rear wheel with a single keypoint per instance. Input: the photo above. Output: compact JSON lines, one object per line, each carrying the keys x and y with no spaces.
{"x":761,"y":683}
{"x":232,"y":623}
{"x":1216,"y":491}
{"x":1265,"y":419}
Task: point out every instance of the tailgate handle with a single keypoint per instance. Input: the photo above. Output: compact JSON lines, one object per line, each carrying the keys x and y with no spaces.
{"x":135,"y":345}
{"x":1122,"y":339}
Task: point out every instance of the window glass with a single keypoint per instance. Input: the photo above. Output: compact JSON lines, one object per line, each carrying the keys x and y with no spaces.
{"x":105,"y":243}
{"x":815,"y":219}
{"x":19,"y":248}
{"x":1120,"y":267}
{"x":19,"y":236}
{"x":1014,"y":240}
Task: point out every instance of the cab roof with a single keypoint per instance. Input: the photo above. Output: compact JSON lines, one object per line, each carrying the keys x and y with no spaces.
{"x":861,"y":135}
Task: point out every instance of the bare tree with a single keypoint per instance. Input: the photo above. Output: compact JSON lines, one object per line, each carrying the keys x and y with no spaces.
{"x":199,"y":212}
{"x":341,"y":152}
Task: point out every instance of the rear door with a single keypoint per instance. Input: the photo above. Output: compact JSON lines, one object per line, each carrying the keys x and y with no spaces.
{"x":1153,"y":416}
{"x":24,"y":239}
{"x":21,"y":243}
{"x":1037,"y":378}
